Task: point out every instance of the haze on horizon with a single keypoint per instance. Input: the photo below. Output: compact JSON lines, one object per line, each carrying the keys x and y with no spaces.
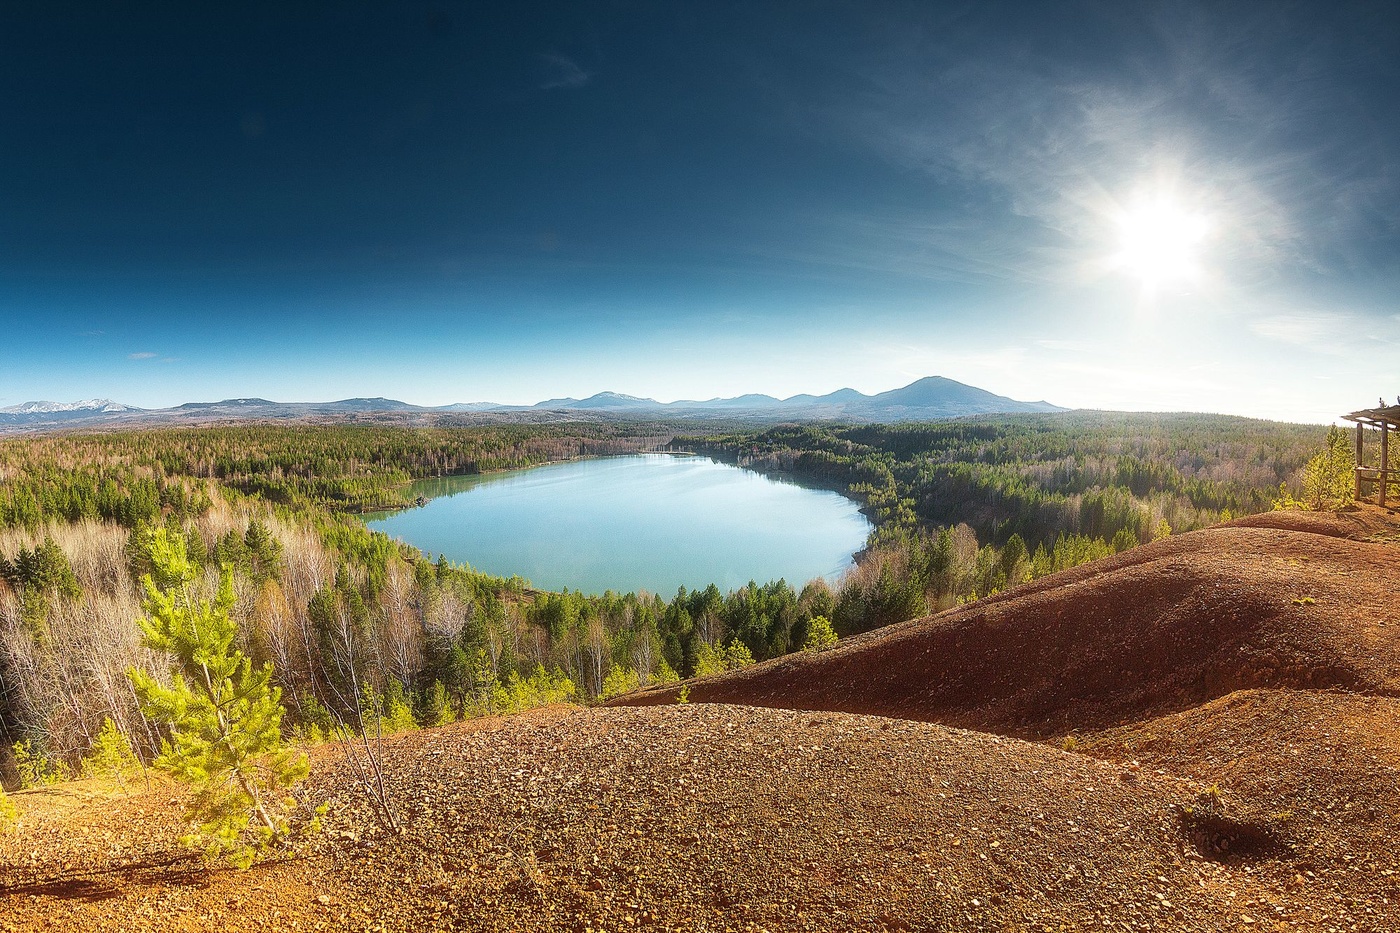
{"x":1149,"y":206}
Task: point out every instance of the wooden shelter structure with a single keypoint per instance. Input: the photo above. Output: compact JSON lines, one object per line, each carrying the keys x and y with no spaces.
{"x":1386,"y":418}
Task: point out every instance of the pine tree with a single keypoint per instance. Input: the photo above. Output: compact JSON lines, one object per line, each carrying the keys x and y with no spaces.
{"x":110,"y":755}
{"x":820,"y":635}
{"x":620,"y":680}
{"x":35,"y":768}
{"x":1328,"y":478}
{"x":223,"y":714}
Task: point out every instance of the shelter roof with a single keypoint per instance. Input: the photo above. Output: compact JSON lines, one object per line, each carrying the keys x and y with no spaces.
{"x":1387,"y":416}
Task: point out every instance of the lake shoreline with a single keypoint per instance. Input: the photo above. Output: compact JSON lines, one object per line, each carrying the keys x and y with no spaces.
{"x":652,"y":519}
{"x":392,"y":509}
{"x":796,"y":479}
{"x":789,"y":476}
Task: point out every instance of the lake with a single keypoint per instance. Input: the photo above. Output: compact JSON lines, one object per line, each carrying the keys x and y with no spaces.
{"x":651,"y":521}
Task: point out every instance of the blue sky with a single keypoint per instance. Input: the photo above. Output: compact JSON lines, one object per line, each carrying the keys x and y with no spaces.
{"x":1118,"y":205}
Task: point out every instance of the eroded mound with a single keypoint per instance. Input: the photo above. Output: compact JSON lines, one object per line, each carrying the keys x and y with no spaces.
{"x":1360,"y":523}
{"x":692,"y":818}
{"x":1163,"y":627}
{"x":1320,"y":769}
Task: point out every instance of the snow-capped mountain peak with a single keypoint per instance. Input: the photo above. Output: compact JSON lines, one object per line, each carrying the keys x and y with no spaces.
{"x":50,"y":408}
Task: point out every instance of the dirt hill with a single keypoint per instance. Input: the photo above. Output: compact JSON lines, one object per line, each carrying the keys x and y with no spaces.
{"x":1226,"y":759}
{"x":1280,"y":601}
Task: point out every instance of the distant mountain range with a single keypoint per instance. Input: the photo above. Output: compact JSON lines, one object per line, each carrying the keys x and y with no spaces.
{"x":930,"y":398}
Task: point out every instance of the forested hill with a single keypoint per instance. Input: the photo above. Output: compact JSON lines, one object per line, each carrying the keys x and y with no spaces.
{"x":131,"y":476}
{"x":1039,"y":476}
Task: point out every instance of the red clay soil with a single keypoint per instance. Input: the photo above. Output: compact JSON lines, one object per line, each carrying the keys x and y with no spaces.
{"x":1163,"y":627}
{"x":1320,"y":770}
{"x":1360,"y":523}
{"x":699,"y":817}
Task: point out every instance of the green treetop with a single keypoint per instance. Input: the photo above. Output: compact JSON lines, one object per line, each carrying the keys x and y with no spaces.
{"x":820,"y":635}
{"x":223,"y":714}
{"x":8,"y":817}
{"x":1328,"y":479}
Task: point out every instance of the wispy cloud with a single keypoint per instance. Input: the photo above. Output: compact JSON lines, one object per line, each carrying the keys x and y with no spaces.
{"x":1312,"y":330}
{"x":144,"y":355}
{"x":909,"y":243}
{"x":563,"y":72}
{"x":1241,"y":116}
{"x":1336,"y":332}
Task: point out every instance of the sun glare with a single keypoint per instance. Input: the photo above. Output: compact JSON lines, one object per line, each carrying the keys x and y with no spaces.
{"x":1160,"y":241}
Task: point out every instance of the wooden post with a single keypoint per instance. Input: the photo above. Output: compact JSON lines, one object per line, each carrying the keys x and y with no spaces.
{"x":1360,"y":434}
{"x":1385,"y":461}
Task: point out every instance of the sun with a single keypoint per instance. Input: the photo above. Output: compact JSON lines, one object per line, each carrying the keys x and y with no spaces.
{"x":1160,"y":241}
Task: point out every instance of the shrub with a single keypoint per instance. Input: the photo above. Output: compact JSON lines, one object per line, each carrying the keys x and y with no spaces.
{"x":1123,"y":540}
{"x":709,"y":660}
{"x":820,"y":635}
{"x":398,"y":713}
{"x":620,"y":680}
{"x":1329,"y":478}
{"x":541,"y":688}
{"x":316,"y":722}
{"x":437,"y":706}
{"x":664,"y":674}
{"x":223,"y":714}
{"x":737,"y":655}
{"x":110,"y":754}
{"x":35,"y":768}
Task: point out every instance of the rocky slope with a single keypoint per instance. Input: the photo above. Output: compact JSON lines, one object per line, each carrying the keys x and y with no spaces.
{"x":1281,"y":601}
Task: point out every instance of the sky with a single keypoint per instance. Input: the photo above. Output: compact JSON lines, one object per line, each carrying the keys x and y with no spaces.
{"x":1134,"y":206}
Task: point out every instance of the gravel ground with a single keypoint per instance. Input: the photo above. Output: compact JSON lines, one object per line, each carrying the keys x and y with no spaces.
{"x":696,"y":817}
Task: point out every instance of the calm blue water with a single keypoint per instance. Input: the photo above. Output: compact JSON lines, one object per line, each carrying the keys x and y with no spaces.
{"x":653,"y":522}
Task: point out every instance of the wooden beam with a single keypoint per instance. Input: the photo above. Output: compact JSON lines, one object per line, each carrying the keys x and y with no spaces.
{"x":1360,"y":433}
{"x":1385,"y":464}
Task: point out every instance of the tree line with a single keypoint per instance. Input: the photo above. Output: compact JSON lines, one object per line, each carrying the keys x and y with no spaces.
{"x":129,"y":477}
{"x":1039,"y":476}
